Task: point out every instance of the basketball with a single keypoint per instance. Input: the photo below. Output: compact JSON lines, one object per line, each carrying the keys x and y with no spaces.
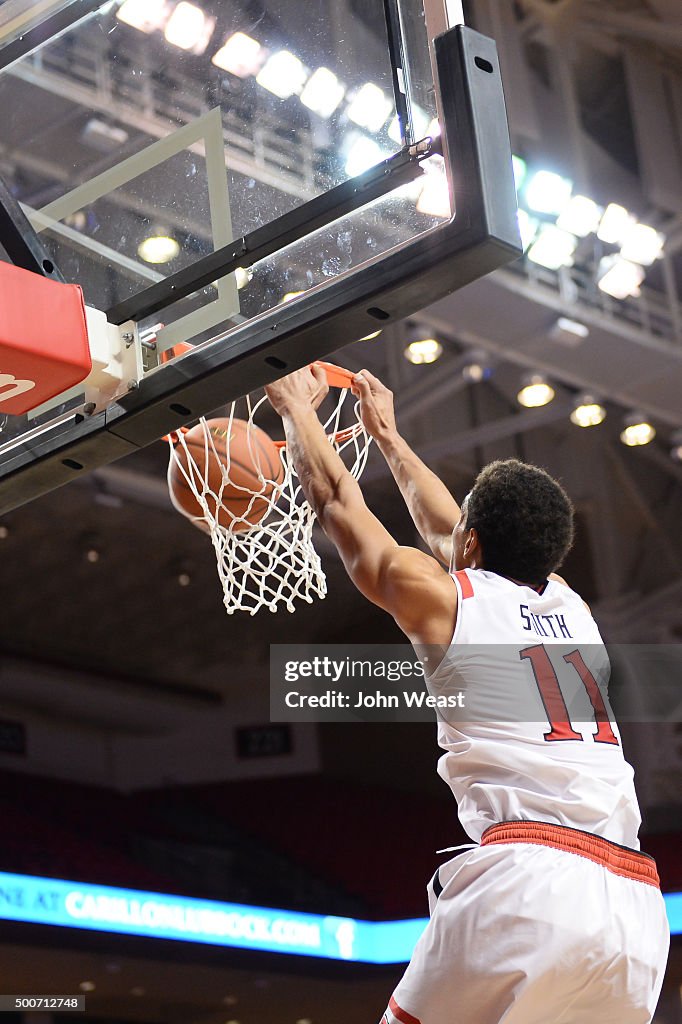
{"x":238,"y":469}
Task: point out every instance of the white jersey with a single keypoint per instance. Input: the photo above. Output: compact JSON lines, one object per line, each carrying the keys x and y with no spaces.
{"x":516,"y":655}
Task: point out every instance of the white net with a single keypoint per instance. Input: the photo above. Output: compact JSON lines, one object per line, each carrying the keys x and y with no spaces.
{"x":263,"y":534}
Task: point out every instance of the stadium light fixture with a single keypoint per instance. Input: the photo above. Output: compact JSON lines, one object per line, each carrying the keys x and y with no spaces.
{"x":240,"y":55}
{"x":145,"y":15}
{"x":588,"y":412}
{"x":283,"y":74}
{"x":160,"y":248}
{"x":643,"y":245}
{"x":323,"y":92}
{"x":535,"y":392}
{"x":548,"y":193}
{"x":568,"y":332}
{"x":615,"y":224}
{"x":370,"y":107}
{"x":619,"y":278}
{"x":189,"y":28}
{"x":553,"y":248}
{"x":637,"y":430}
{"x":423,"y":351}
{"x":362,"y":154}
{"x":581,"y":216}
{"x":478,"y":367}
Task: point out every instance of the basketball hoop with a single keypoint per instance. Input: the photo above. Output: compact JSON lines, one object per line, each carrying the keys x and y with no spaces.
{"x":262,"y":536}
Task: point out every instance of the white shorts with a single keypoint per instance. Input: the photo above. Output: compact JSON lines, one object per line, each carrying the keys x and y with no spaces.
{"x":540,"y":924}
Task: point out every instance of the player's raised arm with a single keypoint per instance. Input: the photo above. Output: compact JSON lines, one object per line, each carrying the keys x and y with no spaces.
{"x":433,"y":509}
{"x":405,"y":582}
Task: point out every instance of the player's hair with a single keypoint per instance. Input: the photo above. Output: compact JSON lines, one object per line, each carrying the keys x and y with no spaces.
{"x":524,"y":520}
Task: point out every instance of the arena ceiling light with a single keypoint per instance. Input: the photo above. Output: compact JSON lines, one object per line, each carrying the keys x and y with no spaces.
{"x":189,"y":28}
{"x":643,"y":245}
{"x":547,"y":193}
{"x":616,"y":223}
{"x":588,"y":412}
{"x":568,"y":332}
{"x":423,"y":351}
{"x":370,"y":107}
{"x":535,"y":392}
{"x":581,"y":216}
{"x":362,"y":153}
{"x":478,"y":367}
{"x":160,"y":248}
{"x":323,"y":92}
{"x":619,"y":278}
{"x":240,"y":55}
{"x":282,"y":74}
{"x":637,"y":430}
{"x":553,"y":248}
{"x":145,"y":15}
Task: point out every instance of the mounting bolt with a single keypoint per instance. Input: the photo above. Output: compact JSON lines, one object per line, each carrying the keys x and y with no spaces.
{"x":133,"y":385}
{"x":89,"y":408}
{"x":129,"y":338}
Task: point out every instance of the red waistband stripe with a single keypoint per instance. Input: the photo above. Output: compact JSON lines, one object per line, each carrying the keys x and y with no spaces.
{"x":618,"y":859}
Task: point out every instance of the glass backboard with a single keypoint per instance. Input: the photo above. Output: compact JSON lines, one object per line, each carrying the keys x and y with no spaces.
{"x":262,"y":180}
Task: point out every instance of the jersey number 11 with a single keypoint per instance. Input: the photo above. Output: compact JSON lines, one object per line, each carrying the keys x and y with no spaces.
{"x":553,"y":699}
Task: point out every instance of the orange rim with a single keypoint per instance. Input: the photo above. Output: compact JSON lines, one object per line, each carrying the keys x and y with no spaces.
{"x":337,"y":377}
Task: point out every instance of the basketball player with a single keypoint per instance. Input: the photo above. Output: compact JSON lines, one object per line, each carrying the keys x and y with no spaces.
{"x":554,"y":917}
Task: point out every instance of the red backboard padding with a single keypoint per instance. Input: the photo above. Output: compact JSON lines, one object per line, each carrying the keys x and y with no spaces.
{"x":43,"y":339}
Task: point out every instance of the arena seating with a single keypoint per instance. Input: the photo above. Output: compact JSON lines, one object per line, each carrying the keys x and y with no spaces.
{"x":255,"y":841}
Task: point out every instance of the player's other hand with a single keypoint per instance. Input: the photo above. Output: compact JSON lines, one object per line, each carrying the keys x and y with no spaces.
{"x":376,"y":405}
{"x":303,"y":389}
